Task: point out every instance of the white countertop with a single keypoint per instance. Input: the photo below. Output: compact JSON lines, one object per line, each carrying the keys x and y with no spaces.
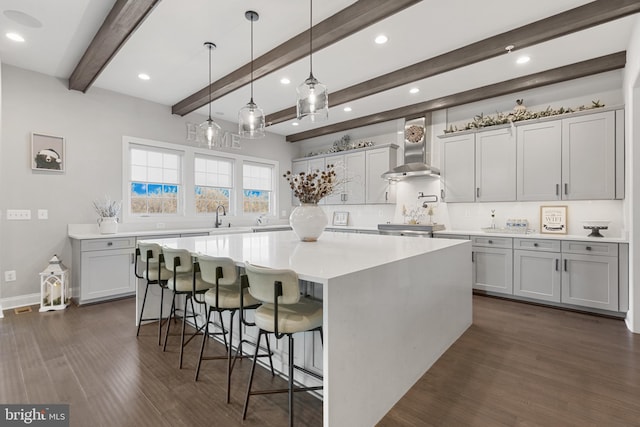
{"x":576,"y":237}
{"x":333,"y":255}
{"x":91,"y":232}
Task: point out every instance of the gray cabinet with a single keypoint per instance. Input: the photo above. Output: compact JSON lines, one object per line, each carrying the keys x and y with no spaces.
{"x":379,"y":161}
{"x":492,"y":264}
{"x":539,"y":161}
{"x":590,"y":279}
{"x":589,"y":157}
{"x":349,"y":168}
{"x":458,"y":169}
{"x":103,"y":269}
{"x":495,"y":165}
{"x":536,"y":269}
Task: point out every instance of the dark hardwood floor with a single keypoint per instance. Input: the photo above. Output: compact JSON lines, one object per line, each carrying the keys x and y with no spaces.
{"x":518,"y":365}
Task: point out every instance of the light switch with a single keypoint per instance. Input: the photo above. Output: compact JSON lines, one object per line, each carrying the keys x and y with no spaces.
{"x":43,"y":214}
{"x":18,"y":214}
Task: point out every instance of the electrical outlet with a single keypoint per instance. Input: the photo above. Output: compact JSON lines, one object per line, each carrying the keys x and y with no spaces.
{"x":160,"y":225}
{"x":18,"y":214}
{"x":10,"y":276}
{"x":43,"y":214}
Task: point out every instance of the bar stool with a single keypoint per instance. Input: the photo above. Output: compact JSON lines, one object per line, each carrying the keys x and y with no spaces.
{"x":154,"y":273}
{"x":185,"y":281}
{"x":225,"y":295}
{"x":283,"y":313}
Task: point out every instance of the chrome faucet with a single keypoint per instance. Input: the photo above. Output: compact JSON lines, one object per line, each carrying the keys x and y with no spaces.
{"x":224,"y":213}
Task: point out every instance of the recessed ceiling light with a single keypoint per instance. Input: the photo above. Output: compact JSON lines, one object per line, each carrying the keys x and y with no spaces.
{"x":523,"y":59}
{"x":347,"y":109}
{"x":15,"y":37}
{"x":285,"y":81}
{"x":414,"y":90}
{"x":381,"y":39}
{"x":295,"y":124}
{"x":509,"y":48}
{"x":143,"y":76}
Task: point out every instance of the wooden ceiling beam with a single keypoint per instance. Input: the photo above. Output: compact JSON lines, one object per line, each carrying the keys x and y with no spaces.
{"x":577,"y":19}
{"x":122,"y":21}
{"x":557,"y":75}
{"x":348,"y":21}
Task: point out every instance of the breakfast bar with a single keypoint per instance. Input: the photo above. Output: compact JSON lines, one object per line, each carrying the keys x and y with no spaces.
{"x":392,"y":306}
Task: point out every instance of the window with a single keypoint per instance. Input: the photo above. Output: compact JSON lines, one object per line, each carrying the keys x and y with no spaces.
{"x":154,"y":181}
{"x":257,"y":185}
{"x":213,"y":178}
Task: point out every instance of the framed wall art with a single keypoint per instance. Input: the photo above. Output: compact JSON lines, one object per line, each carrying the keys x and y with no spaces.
{"x":340,"y":218}
{"x":47,"y":152}
{"x":553,"y":219}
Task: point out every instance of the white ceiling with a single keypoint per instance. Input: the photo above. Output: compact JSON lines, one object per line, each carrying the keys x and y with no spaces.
{"x":169,"y":47}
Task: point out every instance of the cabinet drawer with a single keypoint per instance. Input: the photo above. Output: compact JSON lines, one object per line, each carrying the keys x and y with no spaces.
{"x":102,"y":244}
{"x":494,"y":242}
{"x":451,"y":236}
{"x":588,"y":248}
{"x":537,"y":245}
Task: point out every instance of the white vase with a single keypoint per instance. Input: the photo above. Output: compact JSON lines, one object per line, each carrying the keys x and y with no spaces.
{"x":108,"y":225}
{"x":308,"y":221}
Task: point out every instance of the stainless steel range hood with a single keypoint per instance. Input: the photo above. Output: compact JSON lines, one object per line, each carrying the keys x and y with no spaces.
{"x":417,"y":151}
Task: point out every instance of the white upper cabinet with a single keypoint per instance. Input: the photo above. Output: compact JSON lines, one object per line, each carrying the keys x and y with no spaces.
{"x":496,"y":166}
{"x":589,"y":157}
{"x":379,"y":161}
{"x":539,"y":162}
{"x":458,"y":168}
{"x":350,"y":169}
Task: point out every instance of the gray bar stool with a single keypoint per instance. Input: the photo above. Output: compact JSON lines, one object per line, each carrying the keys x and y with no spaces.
{"x":154,"y":273}
{"x":225,"y":295}
{"x":185,"y":281}
{"x":283,"y":313}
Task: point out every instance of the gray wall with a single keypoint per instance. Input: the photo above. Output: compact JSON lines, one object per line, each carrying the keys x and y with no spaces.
{"x":93,"y":125}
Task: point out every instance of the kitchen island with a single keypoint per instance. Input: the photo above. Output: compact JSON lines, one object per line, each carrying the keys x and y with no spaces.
{"x":392,"y":306}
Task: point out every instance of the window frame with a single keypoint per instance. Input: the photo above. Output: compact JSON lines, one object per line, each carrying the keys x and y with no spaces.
{"x":209,"y":156}
{"x":272,"y":193}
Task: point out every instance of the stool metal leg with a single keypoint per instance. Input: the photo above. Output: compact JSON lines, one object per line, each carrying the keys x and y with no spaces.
{"x":160,"y":319}
{"x":144,"y":300}
{"x":253,"y":368}
{"x":172,"y":314}
{"x":290,"y":380}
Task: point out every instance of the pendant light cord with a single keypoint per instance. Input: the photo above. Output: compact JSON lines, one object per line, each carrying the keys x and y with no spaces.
{"x":311,"y":38}
{"x":209,"y":47}
{"x":252,"y":19}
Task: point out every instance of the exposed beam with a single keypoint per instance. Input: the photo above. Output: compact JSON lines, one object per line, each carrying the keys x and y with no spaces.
{"x":602,"y":64}
{"x":580,"y":18}
{"x":350,"y":20}
{"x":123,"y":20}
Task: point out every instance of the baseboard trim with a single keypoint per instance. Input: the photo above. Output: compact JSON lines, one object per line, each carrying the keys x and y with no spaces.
{"x":19,"y":301}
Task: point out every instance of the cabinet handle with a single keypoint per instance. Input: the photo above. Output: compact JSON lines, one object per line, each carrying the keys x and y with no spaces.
{"x":588,"y":248}
{"x":132,"y":259}
{"x":386,"y":196}
{"x":535,"y":245}
{"x":472,"y":257}
{"x":478,"y":192}
{"x":566,"y":188}
{"x":109,"y":243}
{"x":557,"y":189}
{"x":490,"y":242}
{"x":442,"y":194}
{"x":557,"y":262}
{"x":565,"y":265}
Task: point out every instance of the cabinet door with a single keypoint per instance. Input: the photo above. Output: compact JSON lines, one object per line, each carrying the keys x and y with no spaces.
{"x":296,"y":168}
{"x":379,"y":161}
{"x":493,"y":269}
{"x":340,"y":167}
{"x":107,"y":274}
{"x":458,"y":169}
{"x":590,"y":281}
{"x":537,"y":275}
{"x":588,"y":157}
{"x":539,"y":161}
{"x":496,"y":166}
{"x":356,"y":177}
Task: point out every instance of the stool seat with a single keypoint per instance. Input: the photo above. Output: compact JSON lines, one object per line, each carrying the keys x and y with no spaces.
{"x":184,"y":283}
{"x":152,"y":274}
{"x":306,"y":315}
{"x":229,"y":297}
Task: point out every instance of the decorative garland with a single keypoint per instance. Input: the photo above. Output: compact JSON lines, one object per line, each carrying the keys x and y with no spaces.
{"x":342,"y":144}
{"x":520,"y":113}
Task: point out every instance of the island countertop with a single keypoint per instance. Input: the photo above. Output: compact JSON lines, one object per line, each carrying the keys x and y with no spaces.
{"x":333,"y":255}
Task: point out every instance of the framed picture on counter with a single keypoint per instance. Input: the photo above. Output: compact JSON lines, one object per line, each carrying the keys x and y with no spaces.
{"x":340,"y":218}
{"x":553,"y":219}
{"x":47,"y":153}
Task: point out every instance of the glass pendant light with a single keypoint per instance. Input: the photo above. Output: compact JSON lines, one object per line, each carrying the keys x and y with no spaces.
{"x":210,"y":128}
{"x":251,"y":117}
{"x":313,"y":97}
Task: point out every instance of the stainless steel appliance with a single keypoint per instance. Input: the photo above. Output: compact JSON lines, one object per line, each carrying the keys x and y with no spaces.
{"x":415,"y":230}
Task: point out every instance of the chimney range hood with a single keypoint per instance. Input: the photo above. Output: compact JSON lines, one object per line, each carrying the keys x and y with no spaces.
{"x":417,"y":152}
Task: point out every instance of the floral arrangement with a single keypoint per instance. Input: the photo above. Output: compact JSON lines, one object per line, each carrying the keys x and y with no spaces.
{"x":311,"y":187}
{"x":520,"y":113}
{"x":107,"y":208}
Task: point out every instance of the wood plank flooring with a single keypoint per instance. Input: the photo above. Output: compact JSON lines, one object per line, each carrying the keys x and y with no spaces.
{"x":518,"y":365}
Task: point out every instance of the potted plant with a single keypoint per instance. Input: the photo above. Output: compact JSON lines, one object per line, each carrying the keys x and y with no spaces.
{"x":108,"y":214}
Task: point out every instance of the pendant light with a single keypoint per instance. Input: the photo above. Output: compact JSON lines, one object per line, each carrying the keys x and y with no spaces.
{"x":313,"y":97}
{"x":211,"y":129}
{"x":251,"y":117}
